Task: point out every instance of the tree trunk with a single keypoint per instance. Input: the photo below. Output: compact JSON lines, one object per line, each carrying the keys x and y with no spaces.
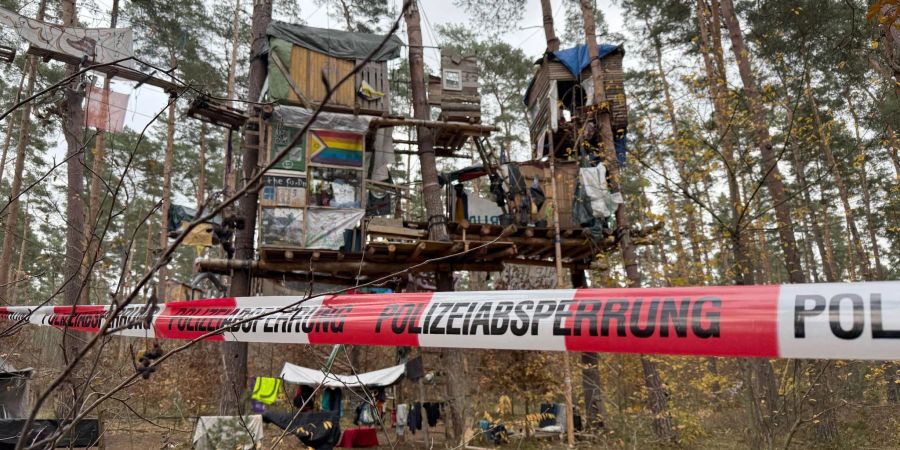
{"x":871,"y":226}
{"x":718,"y":89}
{"x":894,"y":150}
{"x":825,"y":145}
{"x":166,"y":197}
{"x":73,"y":121}
{"x":227,"y":175}
{"x":201,"y":163}
{"x":92,"y":244}
{"x":892,"y":382}
{"x":11,"y":121}
{"x":434,"y":206}
{"x":662,"y":421}
{"x":679,"y":156}
{"x":11,"y":222}
{"x":829,"y":268}
{"x":549,"y":33}
{"x":434,"y":210}
{"x":18,"y":274}
{"x":234,"y":354}
{"x":657,"y":397}
{"x":773,"y":177}
{"x":591,"y":385}
{"x":681,"y":268}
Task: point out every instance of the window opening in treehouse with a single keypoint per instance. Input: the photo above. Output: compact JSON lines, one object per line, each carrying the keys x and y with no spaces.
{"x":452,"y":80}
{"x":572,"y":97}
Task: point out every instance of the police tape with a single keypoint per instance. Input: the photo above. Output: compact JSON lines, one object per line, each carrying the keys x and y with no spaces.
{"x":830,"y":321}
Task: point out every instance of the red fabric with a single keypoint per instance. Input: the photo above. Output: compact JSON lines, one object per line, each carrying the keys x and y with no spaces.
{"x":359,"y":438}
{"x":105,"y":109}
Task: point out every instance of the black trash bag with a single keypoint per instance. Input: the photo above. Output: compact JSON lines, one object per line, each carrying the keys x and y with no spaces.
{"x":537,"y":194}
{"x":497,"y":190}
{"x":582,"y":213}
{"x":516,"y":181}
{"x":320,"y":430}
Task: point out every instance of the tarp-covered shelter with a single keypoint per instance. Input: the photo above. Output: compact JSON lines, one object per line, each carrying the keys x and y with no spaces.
{"x":563,"y":83}
{"x":315,"y":377}
{"x":14,"y":391}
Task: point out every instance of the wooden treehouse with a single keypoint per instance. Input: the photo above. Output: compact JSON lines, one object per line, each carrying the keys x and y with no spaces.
{"x":330,"y":212}
{"x":561,"y":93}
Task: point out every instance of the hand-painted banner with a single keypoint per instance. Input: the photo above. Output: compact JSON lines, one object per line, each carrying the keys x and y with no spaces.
{"x":836,"y":321}
{"x":98,"y":45}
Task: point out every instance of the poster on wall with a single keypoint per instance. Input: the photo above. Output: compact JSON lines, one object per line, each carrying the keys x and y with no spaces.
{"x":336,"y":148}
{"x":282,"y":226}
{"x":283,"y":189}
{"x":325,"y":227}
{"x":295,"y":159}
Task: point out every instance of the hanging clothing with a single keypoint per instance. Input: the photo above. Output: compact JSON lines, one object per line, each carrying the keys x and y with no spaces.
{"x":432,"y":412}
{"x":415,"y":418}
{"x":302,"y":400}
{"x":401,"y":415}
{"x":461,"y":205}
{"x":331,"y":400}
{"x":603,"y":203}
{"x":365,"y":414}
{"x":620,"y":142}
{"x":415,"y":369}
{"x":265,"y":390}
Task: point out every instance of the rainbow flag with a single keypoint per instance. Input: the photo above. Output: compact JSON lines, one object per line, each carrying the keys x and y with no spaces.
{"x":336,"y":148}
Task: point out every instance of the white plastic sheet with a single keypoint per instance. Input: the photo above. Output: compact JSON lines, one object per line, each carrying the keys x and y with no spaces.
{"x":314,"y":377}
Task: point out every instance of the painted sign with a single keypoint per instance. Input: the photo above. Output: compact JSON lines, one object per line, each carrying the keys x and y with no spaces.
{"x":283,"y":189}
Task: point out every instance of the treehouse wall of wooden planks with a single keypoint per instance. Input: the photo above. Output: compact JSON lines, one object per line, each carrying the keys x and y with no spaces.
{"x":305,"y":61}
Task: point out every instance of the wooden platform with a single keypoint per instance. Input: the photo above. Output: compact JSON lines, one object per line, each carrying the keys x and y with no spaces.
{"x":114,"y":71}
{"x":474,"y":247}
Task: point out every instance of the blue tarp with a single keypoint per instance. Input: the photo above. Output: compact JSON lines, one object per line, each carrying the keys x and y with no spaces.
{"x":576,"y":59}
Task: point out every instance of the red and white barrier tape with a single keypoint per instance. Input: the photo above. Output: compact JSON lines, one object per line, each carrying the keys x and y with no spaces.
{"x":839,"y":321}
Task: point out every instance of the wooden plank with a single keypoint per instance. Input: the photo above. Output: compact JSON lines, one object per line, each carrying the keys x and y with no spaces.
{"x":296,"y":93}
{"x":395,"y":231}
{"x":298,"y":66}
{"x":113,"y":71}
{"x":346,"y":93}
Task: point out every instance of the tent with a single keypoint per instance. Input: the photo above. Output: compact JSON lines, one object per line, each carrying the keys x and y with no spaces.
{"x":14,"y":391}
{"x":314,"y":377}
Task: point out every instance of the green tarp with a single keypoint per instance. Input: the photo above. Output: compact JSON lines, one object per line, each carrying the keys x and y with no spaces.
{"x":336,"y":43}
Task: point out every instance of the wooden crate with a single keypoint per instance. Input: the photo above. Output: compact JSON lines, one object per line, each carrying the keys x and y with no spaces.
{"x":566,"y":175}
